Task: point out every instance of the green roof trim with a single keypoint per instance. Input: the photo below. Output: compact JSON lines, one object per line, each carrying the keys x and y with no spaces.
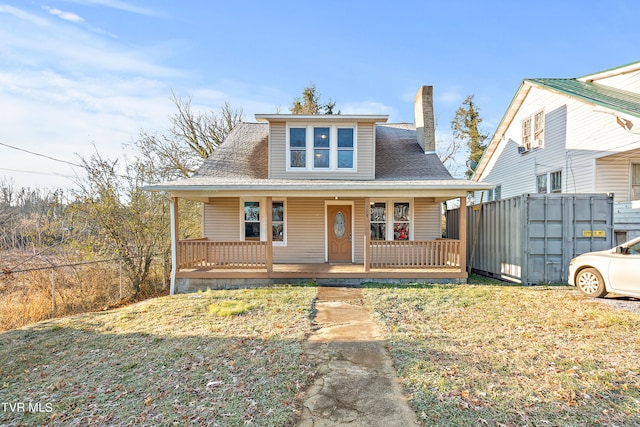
{"x":605,"y":96}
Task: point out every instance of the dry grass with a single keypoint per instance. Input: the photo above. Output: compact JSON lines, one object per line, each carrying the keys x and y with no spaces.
{"x":512,"y":356}
{"x":26,"y":297}
{"x":165,"y":361}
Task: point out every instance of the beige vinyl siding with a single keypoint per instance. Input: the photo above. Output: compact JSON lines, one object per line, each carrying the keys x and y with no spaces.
{"x":365,"y":149}
{"x":305,"y":232}
{"x":221,"y":219}
{"x":277,"y":149}
{"x":427,"y":220}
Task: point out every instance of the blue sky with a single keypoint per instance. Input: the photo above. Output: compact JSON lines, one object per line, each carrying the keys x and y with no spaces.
{"x":81,"y":75}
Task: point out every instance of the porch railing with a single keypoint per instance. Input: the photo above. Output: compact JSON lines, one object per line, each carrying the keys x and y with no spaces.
{"x":202,"y":253}
{"x":414,"y":253}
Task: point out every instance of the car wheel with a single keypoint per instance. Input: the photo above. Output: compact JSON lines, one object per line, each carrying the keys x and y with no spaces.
{"x":590,"y":283}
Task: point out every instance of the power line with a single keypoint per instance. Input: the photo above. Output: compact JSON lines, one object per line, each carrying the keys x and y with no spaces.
{"x":38,"y":173}
{"x":42,"y":155}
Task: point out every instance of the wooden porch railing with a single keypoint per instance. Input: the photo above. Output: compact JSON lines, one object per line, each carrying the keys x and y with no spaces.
{"x":414,"y":253}
{"x":202,"y":253}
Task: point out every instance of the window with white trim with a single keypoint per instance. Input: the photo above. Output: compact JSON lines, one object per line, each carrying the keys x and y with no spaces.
{"x":541,"y":183}
{"x":298,"y":148}
{"x":532,"y":132}
{"x":252,"y":220}
{"x":549,"y":182}
{"x":277,"y":221}
{"x":329,"y":148}
{"x":635,"y":181}
{"x":526,"y":133}
{"x":556,"y":182}
{"x":378,"y":221}
{"x":394,"y":225}
{"x":254,"y":224}
{"x":538,"y":130}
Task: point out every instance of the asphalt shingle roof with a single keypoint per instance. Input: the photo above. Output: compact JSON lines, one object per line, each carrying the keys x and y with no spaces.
{"x":244,"y":155}
{"x":595,"y":93}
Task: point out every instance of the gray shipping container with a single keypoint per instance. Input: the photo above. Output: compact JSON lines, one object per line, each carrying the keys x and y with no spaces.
{"x":531,"y":238}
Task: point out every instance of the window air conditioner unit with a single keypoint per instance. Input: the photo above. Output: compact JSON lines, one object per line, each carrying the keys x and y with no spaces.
{"x":522,"y":149}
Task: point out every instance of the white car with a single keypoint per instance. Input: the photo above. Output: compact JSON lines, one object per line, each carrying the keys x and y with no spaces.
{"x":615,"y":270}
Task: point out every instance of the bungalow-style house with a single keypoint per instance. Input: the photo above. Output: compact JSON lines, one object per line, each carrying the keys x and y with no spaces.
{"x":571,"y":135}
{"x":336,"y":198}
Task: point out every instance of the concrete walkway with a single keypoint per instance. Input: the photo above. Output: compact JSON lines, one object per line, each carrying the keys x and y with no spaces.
{"x":357,"y":385}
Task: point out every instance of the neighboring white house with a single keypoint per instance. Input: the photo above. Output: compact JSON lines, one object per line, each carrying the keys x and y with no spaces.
{"x":573,"y":135}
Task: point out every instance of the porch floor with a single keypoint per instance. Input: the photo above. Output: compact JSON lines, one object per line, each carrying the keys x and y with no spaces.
{"x":324,"y":271}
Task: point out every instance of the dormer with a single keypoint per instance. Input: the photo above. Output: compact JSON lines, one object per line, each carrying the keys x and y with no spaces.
{"x":340,"y":146}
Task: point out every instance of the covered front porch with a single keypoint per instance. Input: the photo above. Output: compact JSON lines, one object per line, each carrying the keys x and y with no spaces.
{"x":210,"y":262}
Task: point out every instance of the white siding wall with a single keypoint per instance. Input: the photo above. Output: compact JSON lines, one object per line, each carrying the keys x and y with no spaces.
{"x":611,"y":176}
{"x":629,"y":81}
{"x":575,"y":136}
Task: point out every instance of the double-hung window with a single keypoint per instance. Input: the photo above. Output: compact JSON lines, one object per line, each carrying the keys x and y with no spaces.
{"x":635,"y":181}
{"x":253,"y":218}
{"x":277,"y":221}
{"x":328,"y":148}
{"x":379,"y":221}
{"x":321,"y":148}
{"x":538,"y":130}
{"x":298,"y":147}
{"x":556,"y":182}
{"x":526,"y":133}
{"x":549,"y":182}
{"x":390,"y":225}
{"x":345,"y":148}
{"x":541,"y":183}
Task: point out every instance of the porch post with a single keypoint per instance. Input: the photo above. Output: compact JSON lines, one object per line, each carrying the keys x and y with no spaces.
{"x":462,"y":234}
{"x":269,"y":235}
{"x":367,"y":232}
{"x":173,"y":210}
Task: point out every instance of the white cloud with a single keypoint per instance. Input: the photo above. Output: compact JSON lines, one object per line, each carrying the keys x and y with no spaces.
{"x":25,"y":16}
{"x":67,"y":16}
{"x":366,"y":107}
{"x":120,"y":5}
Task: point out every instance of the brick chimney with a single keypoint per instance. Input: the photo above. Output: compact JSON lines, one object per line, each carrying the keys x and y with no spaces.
{"x":425,"y":128}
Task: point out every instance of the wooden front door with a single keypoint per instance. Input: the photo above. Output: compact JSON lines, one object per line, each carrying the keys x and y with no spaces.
{"x":339,"y":233}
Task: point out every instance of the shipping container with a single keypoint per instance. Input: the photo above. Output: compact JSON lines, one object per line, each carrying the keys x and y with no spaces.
{"x":531,"y":238}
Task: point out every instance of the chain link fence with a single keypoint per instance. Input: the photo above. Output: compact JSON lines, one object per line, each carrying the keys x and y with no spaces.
{"x":31,"y":294}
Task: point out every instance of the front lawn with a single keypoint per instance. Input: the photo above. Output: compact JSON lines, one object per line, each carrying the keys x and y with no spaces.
{"x":227,"y":358}
{"x":512,"y":356}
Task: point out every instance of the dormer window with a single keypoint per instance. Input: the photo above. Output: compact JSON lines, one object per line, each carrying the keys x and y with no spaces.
{"x":321,"y":148}
{"x":328,"y":148}
{"x":298,"y":147}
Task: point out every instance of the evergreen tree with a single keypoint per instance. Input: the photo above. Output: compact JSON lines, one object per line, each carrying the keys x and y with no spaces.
{"x":466,"y":127}
{"x":311,"y":104}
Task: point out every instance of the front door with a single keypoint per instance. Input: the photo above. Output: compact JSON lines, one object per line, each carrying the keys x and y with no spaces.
{"x":339,"y":233}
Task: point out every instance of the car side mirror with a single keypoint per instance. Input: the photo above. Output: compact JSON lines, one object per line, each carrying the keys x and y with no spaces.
{"x":622,"y":250}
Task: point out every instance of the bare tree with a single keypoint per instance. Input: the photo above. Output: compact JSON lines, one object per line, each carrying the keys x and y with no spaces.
{"x":121,"y":219}
{"x":204,"y":131}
